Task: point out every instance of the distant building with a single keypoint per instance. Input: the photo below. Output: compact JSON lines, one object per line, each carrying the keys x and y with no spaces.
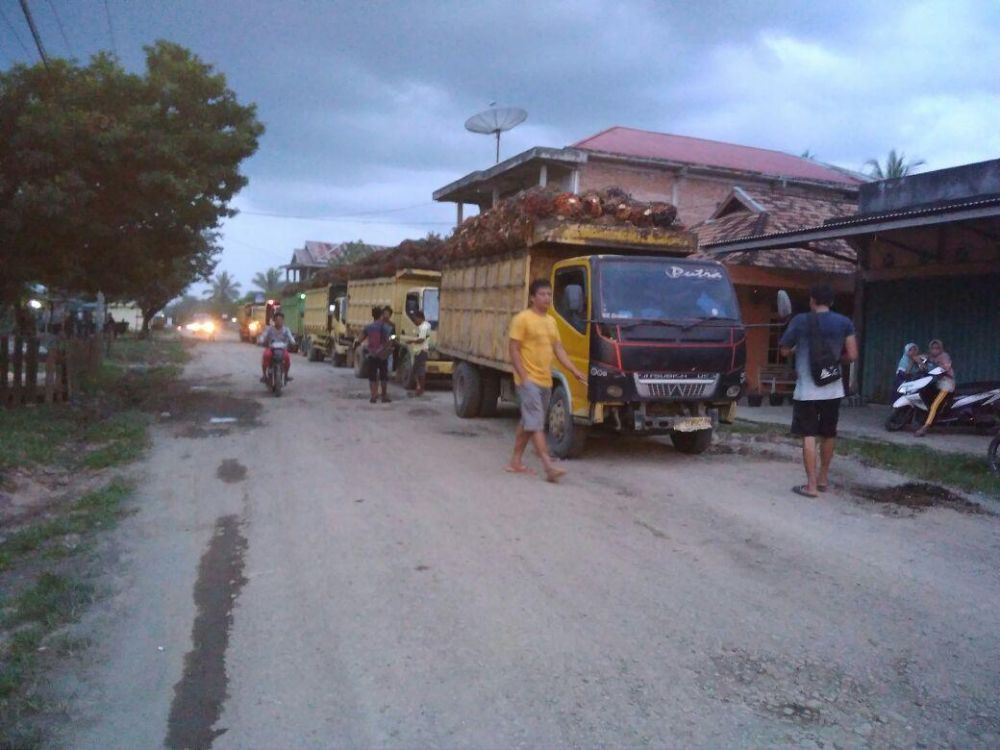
{"x":312,"y":257}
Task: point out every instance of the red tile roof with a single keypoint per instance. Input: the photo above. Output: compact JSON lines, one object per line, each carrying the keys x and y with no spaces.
{"x":761,"y":212}
{"x":698,"y":151}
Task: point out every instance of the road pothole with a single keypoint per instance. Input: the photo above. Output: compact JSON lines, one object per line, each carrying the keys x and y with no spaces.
{"x":231,"y":471}
{"x":918,"y":496}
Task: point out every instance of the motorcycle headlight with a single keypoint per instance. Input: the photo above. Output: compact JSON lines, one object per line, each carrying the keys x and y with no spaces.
{"x":615,"y":391}
{"x":732,"y":391}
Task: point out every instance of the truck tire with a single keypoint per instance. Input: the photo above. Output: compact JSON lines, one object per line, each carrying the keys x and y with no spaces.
{"x":305,"y":347}
{"x":315,"y":354}
{"x":566,"y":439}
{"x":489,"y":395}
{"x":466,"y":387}
{"x":691,"y":442}
{"x":338,"y":360}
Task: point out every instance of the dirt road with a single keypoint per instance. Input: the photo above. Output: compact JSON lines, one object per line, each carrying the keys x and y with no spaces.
{"x":329,"y":573}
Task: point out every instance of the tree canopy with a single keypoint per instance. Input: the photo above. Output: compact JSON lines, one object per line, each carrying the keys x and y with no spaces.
{"x":116,"y":182}
{"x":268,"y":281}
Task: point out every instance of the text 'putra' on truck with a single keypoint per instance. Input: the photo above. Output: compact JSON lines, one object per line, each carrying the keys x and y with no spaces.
{"x":659,"y":335}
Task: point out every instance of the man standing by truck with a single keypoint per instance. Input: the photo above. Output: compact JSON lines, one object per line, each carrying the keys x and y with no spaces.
{"x":378,"y":341}
{"x":534,"y":340}
{"x":816,"y":405}
{"x":420,"y":346}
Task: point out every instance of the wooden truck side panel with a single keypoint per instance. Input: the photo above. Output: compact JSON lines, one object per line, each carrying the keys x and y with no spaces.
{"x":478,"y":299}
{"x":317,"y":309}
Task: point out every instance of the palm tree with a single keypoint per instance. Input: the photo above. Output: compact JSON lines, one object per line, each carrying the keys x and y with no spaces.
{"x":808,"y":154}
{"x":895,"y":166}
{"x":268,"y":281}
{"x":224,"y":289}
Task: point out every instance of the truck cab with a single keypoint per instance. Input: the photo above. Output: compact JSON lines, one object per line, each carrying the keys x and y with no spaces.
{"x":661,"y":341}
{"x":428,"y":299}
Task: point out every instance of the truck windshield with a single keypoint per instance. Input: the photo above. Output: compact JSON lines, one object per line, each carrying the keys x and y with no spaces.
{"x":664,"y":290}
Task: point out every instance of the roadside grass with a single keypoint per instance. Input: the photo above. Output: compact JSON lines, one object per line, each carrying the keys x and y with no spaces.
{"x":45,"y":567}
{"x":963,"y":471}
{"x":100,"y":509}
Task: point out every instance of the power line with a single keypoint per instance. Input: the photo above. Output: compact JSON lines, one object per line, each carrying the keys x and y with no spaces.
{"x":111,"y":29}
{"x":13,"y":31}
{"x":34,"y":32}
{"x":69,"y":47}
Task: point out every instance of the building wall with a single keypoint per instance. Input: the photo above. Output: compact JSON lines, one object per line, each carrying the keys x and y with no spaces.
{"x":960,"y":310}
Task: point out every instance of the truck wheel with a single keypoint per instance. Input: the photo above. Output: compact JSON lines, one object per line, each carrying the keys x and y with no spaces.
{"x":489,"y":397}
{"x":466,"y":387}
{"x":305,"y":347}
{"x":691,"y":442}
{"x":339,"y":360}
{"x":565,"y":439}
{"x":315,"y":354}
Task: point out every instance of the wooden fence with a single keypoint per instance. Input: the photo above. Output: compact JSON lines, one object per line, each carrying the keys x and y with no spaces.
{"x":33,"y":371}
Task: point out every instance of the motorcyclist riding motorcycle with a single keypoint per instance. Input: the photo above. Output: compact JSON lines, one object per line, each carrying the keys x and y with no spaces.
{"x":276,"y":332}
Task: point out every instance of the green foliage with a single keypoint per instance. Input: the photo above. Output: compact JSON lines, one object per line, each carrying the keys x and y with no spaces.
{"x":895,"y":166}
{"x":115,"y":181}
{"x":98,"y":509}
{"x":269,"y":282}
{"x":221,"y":298}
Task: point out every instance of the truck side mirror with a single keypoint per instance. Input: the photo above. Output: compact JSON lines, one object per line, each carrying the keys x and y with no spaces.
{"x":573,"y":299}
{"x":784,"y":305}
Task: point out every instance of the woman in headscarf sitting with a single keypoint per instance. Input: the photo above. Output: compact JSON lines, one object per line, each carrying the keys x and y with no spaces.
{"x":909,"y":364}
{"x":938,"y":357}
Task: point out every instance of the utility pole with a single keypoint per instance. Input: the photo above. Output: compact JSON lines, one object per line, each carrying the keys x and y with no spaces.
{"x":34,"y":33}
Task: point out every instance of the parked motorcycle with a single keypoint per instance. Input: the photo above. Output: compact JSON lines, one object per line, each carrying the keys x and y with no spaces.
{"x":974,"y":405}
{"x":275,"y":377}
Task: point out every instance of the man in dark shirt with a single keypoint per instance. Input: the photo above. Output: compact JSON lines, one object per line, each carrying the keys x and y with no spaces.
{"x":377,"y":340}
{"x":816,"y":408}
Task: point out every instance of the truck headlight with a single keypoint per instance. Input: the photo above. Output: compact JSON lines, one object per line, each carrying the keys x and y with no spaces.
{"x":615,"y":391}
{"x":733,"y":391}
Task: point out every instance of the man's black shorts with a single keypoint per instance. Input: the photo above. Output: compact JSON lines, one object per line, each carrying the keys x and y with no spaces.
{"x":378,"y":369}
{"x":815,"y":418}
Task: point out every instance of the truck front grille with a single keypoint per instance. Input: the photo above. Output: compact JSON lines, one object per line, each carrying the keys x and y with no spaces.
{"x":683,"y":389}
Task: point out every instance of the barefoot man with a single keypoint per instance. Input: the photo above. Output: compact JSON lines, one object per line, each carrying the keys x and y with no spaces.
{"x":534,"y":340}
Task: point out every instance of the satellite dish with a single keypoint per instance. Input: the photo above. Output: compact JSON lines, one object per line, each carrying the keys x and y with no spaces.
{"x":495,"y":121}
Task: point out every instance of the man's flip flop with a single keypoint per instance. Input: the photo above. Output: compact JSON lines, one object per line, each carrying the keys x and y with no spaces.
{"x":800,"y":489}
{"x":519,"y":470}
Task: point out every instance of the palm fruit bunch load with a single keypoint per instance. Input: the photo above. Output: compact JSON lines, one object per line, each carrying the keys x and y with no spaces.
{"x":425,"y":254}
{"x":510,"y":225}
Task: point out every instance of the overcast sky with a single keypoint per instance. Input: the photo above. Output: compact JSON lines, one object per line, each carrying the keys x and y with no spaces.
{"x":364,"y":102}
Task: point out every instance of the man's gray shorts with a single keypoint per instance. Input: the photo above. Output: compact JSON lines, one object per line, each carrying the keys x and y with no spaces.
{"x":534,"y":405}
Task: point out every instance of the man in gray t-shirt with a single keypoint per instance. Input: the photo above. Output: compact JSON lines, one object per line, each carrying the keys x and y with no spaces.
{"x":816,"y":408}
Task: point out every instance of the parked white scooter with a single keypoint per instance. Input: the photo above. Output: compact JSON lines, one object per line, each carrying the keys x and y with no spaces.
{"x":972,"y":405}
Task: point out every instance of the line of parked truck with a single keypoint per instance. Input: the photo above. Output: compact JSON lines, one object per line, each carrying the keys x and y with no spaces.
{"x":658,"y":333}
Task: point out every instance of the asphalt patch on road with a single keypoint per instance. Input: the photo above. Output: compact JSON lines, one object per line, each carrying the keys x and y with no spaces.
{"x":202,"y":689}
{"x":190,"y":410}
{"x":919,"y":496}
{"x":231,"y":471}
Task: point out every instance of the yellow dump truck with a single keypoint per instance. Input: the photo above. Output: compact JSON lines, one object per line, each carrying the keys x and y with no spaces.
{"x":658,"y":335}
{"x":322,"y":322}
{"x":406,"y":291}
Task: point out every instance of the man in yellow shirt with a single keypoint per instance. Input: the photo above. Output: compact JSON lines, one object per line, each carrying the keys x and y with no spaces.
{"x":534,"y":341}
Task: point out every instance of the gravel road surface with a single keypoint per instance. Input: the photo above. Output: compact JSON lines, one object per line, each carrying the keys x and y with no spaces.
{"x":323,"y":572}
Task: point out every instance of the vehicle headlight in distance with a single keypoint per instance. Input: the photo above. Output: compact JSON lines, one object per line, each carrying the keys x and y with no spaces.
{"x":615,"y":391}
{"x":208,"y":327}
{"x":193,"y":326}
{"x":733,"y":391}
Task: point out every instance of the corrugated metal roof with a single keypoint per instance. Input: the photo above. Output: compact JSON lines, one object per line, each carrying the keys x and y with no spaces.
{"x":699,"y":151}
